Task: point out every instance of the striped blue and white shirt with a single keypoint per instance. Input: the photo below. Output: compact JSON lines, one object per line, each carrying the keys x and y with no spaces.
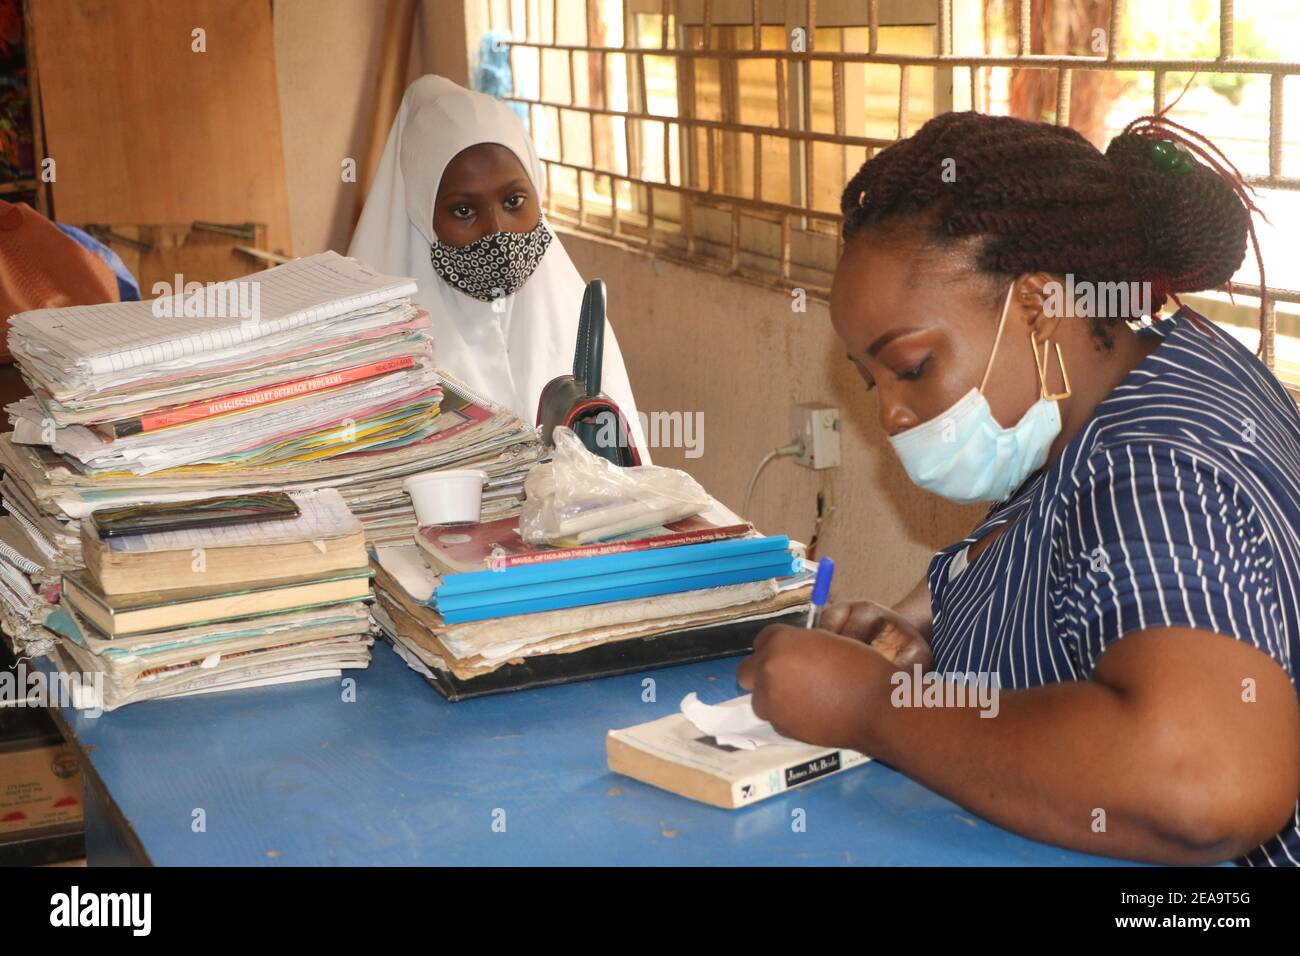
{"x":1176,"y":505}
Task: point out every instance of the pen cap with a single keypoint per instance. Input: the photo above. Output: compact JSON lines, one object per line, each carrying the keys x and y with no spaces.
{"x":822,"y":583}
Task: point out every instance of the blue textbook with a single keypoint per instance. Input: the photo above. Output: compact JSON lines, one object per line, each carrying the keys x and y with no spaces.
{"x":482,"y":595}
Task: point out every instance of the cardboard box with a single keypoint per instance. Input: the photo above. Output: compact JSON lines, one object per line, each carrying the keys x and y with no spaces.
{"x":40,"y":786}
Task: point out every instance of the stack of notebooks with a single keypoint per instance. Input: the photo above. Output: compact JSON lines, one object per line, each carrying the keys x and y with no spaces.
{"x":170,"y":613}
{"x":330,"y":383}
{"x":464,"y":606}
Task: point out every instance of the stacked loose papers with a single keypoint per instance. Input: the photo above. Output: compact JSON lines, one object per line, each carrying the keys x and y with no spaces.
{"x":315,"y":374}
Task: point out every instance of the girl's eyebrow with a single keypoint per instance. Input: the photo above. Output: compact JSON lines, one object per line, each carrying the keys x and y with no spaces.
{"x":465,"y":196}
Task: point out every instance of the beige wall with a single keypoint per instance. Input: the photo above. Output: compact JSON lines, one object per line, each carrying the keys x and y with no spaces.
{"x":327,"y":64}
{"x":326,"y":59}
{"x":694,"y":341}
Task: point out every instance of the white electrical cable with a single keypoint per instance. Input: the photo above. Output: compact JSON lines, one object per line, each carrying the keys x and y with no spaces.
{"x":794,"y":448}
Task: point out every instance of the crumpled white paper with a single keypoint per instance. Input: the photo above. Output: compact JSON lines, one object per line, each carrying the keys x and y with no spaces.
{"x":732,"y":724}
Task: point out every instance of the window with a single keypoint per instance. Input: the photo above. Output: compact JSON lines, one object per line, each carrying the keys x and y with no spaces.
{"x":721,"y":132}
{"x":692,"y":129}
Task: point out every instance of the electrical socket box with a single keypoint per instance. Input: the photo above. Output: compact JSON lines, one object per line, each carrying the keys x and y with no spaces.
{"x":817,"y":427}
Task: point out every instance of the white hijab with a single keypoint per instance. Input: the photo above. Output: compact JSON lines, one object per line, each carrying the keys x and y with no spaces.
{"x":508,"y":356}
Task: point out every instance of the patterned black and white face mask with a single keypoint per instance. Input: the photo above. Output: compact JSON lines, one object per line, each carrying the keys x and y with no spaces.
{"x":492,"y":267}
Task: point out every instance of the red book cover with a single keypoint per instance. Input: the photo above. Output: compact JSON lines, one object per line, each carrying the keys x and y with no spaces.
{"x":497,"y":544}
{"x":239,"y":401}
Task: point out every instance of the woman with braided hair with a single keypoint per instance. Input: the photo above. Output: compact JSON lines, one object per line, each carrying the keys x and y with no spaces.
{"x":1133,"y":594}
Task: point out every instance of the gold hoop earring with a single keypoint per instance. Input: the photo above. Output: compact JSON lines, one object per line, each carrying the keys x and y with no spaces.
{"x":1039,"y":363}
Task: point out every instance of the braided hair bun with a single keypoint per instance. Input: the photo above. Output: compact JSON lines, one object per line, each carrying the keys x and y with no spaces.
{"x":1044,"y":199}
{"x":1194,"y":222}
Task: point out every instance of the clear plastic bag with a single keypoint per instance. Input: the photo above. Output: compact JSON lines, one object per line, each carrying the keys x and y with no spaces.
{"x":579,"y":497}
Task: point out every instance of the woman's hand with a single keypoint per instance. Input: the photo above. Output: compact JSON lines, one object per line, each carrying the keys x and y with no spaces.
{"x":880,"y":628}
{"x":813,"y":685}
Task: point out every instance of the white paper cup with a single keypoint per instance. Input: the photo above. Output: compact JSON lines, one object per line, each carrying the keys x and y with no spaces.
{"x":446,"y":497}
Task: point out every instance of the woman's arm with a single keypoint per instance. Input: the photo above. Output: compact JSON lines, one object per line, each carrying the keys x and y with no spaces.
{"x":1183,"y":748}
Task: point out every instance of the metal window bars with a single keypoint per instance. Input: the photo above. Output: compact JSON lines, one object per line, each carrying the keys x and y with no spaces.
{"x":687,"y":35}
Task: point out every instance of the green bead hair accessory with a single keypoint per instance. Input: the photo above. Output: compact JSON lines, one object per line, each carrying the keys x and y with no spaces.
{"x":1170,"y":157}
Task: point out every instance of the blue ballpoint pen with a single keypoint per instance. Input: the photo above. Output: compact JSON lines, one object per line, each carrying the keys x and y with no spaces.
{"x":821,"y":590}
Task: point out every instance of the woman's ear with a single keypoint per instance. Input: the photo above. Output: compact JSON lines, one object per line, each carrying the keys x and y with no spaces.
{"x":1040,"y":303}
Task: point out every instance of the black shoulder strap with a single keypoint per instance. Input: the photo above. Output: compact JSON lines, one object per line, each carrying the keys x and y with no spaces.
{"x":588,"y":359}
{"x":584,"y":324}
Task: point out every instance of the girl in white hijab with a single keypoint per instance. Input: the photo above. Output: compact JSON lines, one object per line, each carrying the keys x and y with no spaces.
{"x":456,"y":205}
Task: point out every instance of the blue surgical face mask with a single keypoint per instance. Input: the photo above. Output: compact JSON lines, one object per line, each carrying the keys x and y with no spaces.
{"x":964,"y":454}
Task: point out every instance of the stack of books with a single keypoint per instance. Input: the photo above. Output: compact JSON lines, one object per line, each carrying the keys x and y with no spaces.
{"x":607,"y":578}
{"x":169,"y":613}
{"x":317,"y":373}
{"x":463,"y":603}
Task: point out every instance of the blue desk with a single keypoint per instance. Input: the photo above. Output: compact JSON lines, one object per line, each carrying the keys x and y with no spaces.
{"x":294,"y":775}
